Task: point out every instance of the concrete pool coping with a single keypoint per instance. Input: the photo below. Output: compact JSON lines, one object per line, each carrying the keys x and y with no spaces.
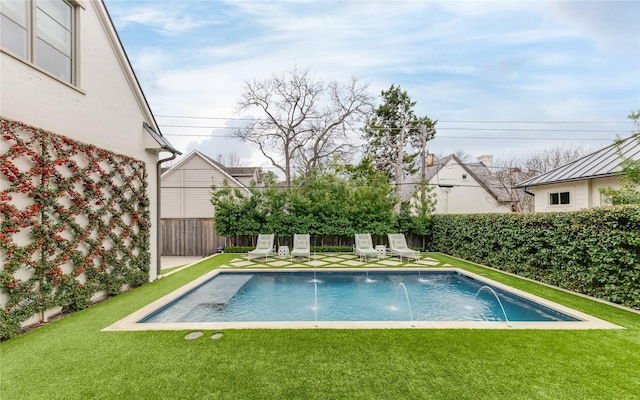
{"x":585,"y":321}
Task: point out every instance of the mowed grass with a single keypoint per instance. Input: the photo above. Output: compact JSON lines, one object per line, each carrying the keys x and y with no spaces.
{"x":73,"y":359}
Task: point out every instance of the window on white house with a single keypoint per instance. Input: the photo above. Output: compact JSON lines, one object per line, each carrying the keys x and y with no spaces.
{"x":559,"y":198}
{"x":41,"y":32}
{"x":14,"y":24}
{"x":464,"y":176}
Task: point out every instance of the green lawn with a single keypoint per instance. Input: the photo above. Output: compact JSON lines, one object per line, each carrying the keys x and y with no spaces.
{"x":72,"y":359}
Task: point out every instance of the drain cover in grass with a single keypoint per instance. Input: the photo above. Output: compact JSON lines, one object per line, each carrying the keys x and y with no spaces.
{"x":216,"y":335}
{"x":193,"y":335}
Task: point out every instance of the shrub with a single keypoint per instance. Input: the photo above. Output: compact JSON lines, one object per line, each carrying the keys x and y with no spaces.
{"x":595,"y":251}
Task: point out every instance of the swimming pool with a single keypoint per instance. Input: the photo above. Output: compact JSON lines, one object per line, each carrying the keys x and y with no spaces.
{"x":399,"y":298}
{"x":349,"y":296}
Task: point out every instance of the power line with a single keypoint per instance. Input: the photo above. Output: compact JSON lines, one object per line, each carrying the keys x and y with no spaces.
{"x":439,"y":121}
{"x":441,"y":128}
{"x":366,"y":185}
{"x":493,"y":168}
{"x":437,"y":137}
{"x":218,"y":118}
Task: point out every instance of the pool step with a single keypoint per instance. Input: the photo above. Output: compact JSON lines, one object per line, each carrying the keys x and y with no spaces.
{"x":225,"y":286}
{"x":213,"y":295}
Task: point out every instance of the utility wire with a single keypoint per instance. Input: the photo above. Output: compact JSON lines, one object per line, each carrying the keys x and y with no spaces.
{"x":439,"y":121}
{"x":354,"y":185}
{"x":439,"y":129}
{"x":439,"y":137}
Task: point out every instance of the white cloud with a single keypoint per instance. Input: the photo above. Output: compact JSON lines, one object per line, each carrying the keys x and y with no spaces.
{"x":613,"y":25}
{"x":478,"y":60}
{"x":166,"y":17}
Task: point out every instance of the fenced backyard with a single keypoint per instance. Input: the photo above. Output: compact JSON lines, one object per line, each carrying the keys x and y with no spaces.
{"x":190,"y":237}
{"x":74,"y":359}
{"x":197,"y":237}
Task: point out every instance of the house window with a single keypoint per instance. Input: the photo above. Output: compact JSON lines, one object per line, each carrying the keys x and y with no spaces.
{"x":464,"y":176}
{"x":40,"y":31}
{"x":559,"y":198}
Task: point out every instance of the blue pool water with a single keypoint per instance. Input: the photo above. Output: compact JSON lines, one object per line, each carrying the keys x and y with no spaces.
{"x":349,"y":296}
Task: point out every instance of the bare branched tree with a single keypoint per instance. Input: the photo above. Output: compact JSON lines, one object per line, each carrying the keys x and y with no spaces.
{"x":509,"y":173}
{"x":547,"y":160}
{"x":230,"y":160}
{"x":513,"y":171}
{"x":305,"y":120}
{"x":461,"y":154}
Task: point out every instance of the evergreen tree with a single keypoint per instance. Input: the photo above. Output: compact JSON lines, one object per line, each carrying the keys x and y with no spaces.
{"x":396,"y":136}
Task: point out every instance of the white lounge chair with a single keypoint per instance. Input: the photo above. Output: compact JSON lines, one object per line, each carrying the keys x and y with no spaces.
{"x":364,"y":246}
{"x":398,"y":247}
{"x":301,"y":246}
{"x":264,"y":247}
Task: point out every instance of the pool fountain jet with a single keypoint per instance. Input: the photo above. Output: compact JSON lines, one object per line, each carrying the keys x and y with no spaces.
{"x":315,"y":307}
{"x":408,"y":302}
{"x":420,"y":278}
{"x":497,"y":298}
{"x":369,"y":280}
{"x":315,"y":280}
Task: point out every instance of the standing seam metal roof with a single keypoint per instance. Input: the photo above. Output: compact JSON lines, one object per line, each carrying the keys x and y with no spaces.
{"x":602,"y":163}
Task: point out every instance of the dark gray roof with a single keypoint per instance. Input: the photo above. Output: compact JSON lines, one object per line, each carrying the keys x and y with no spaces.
{"x":241,"y":171}
{"x":237,"y":172}
{"x":488,"y":180}
{"x":600,"y":164}
{"x":480,"y":173}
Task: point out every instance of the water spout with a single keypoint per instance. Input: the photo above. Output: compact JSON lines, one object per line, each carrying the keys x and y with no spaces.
{"x":408,"y":302}
{"x":497,"y":298}
{"x":316,"y":303}
{"x":315,"y":280}
{"x":369,"y":280}
{"x":420,"y":278}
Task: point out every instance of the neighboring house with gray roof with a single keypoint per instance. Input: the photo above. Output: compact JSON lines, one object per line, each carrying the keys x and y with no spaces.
{"x":577,"y":185}
{"x":463,"y":188}
{"x":187,"y":212}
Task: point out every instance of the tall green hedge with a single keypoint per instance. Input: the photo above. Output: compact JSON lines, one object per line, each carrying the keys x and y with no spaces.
{"x":595,"y":251}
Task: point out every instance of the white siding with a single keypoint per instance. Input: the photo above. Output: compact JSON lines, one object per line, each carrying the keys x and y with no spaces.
{"x":465,"y":196}
{"x":105,"y":108}
{"x":246,"y":180}
{"x":596,"y":198}
{"x":186,"y":188}
{"x":102,"y":109}
{"x":583,"y":194}
{"x":197,"y":203}
{"x":171,"y":202}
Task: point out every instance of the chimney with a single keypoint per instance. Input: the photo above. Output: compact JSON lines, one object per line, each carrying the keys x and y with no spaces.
{"x":486,"y":160}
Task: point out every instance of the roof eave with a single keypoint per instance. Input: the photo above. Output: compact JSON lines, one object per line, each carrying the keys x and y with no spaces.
{"x":528,"y":185}
{"x":161,"y":140}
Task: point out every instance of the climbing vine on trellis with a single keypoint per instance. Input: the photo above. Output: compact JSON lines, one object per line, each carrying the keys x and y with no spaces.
{"x":75,"y":221}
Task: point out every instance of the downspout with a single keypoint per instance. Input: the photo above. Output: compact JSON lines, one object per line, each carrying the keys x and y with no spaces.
{"x":528,"y":192}
{"x":159,"y":213}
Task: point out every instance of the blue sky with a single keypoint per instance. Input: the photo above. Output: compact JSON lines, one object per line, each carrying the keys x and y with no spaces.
{"x":531,"y":75}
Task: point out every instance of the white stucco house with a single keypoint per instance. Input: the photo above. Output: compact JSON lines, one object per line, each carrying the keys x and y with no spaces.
{"x":66,"y":77}
{"x":576,"y":185}
{"x":187,"y":212}
{"x":463,"y":187}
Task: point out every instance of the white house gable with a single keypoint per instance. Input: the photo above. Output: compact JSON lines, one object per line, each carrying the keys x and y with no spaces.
{"x":462,"y":188}
{"x":102,"y":104}
{"x":186,"y":187}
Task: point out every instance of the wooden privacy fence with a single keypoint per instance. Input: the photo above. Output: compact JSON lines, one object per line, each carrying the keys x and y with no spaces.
{"x":193,"y":237}
{"x":196,"y":237}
